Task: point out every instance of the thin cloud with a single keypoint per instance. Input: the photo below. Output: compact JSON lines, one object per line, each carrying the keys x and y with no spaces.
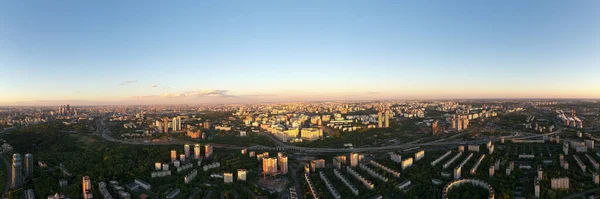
{"x":154,"y":86}
{"x":144,"y":96}
{"x":77,"y":91}
{"x":128,"y":82}
{"x":258,"y":95}
{"x":373,"y":93}
{"x":200,"y":93}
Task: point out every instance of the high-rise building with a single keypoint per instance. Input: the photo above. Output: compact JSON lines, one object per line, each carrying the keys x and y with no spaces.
{"x":354,"y":158}
{"x":208,"y":150}
{"x":28,"y":165}
{"x":387,"y":119}
{"x":186,"y":150}
{"x":241,"y":174}
{"x":537,"y":188}
{"x":379,"y":120}
{"x":317,"y":164}
{"x":283,"y":164}
{"x":269,"y":166}
{"x":165,"y":125}
{"x":177,"y":123}
{"x":17,"y":171}
{"x":435,"y":128}
{"x":339,"y":161}
{"x":457,"y":173}
{"x":173,"y":156}
{"x":227,"y":177}
{"x":206,"y":125}
{"x":197,"y":151}
{"x":87,"y":187}
{"x":159,"y":126}
{"x":29,"y":194}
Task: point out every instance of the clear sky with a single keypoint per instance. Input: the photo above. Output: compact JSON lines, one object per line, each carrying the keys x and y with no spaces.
{"x":144,"y":52}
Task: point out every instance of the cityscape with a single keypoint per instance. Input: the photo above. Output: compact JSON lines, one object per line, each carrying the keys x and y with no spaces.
{"x":299,"y":100}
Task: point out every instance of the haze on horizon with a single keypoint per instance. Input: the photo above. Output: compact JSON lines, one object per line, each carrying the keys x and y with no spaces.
{"x":157,"y":52}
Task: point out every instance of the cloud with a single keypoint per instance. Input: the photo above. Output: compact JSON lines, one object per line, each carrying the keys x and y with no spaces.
{"x":154,"y":86}
{"x":373,"y":93}
{"x":200,"y":93}
{"x":214,"y":93}
{"x":77,"y":91}
{"x":144,"y":96}
{"x":128,"y":82}
{"x":258,"y":95}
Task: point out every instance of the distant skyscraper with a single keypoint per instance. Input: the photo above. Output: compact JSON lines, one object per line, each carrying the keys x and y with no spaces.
{"x":177,"y":123}
{"x":87,"y":188}
{"x":165,"y":125}
{"x":17,"y":171}
{"x":435,"y":127}
{"x":387,"y":119}
{"x":208,"y":150}
{"x":173,"y":156}
{"x":28,"y":165}
{"x":206,"y":125}
{"x":380,"y":120}
{"x":197,"y":151}
{"x":186,"y":150}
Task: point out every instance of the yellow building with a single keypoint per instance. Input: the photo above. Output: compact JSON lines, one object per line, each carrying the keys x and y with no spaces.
{"x":311,"y":133}
{"x":269,"y":166}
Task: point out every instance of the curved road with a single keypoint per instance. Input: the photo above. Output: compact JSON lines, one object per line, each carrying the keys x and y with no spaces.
{"x":582,"y":194}
{"x":104,"y":132}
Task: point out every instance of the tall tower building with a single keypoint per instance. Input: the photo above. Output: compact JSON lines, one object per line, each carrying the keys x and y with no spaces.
{"x":435,"y":127}
{"x":197,"y":151}
{"x":208,"y":150}
{"x":87,"y":187}
{"x":165,"y":125}
{"x":283,"y":164}
{"x":186,"y":150}
{"x":269,"y":166}
{"x":177,"y":123}
{"x":380,"y":120}
{"x":173,"y":156}
{"x":28,"y":165}
{"x":387,"y":119}
{"x":537,"y":188}
{"x":206,"y":125}
{"x":17,"y":171}
{"x":354,"y":158}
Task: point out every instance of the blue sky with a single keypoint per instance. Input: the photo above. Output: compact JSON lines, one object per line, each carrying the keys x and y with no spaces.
{"x":243,"y":51}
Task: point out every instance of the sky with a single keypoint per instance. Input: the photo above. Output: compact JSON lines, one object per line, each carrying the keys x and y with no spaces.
{"x":174,"y":52}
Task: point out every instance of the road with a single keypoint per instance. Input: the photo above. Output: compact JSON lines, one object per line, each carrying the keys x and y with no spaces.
{"x":582,"y":194}
{"x":8,"y":175}
{"x":104,"y":132}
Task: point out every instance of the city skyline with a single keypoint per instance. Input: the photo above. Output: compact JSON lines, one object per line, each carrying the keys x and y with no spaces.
{"x":138,"y":52}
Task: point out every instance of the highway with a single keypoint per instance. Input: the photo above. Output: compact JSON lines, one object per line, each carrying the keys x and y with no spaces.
{"x":104,"y":132}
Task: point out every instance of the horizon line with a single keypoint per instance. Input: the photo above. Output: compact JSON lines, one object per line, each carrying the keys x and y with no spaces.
{"x":305,"y":101}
